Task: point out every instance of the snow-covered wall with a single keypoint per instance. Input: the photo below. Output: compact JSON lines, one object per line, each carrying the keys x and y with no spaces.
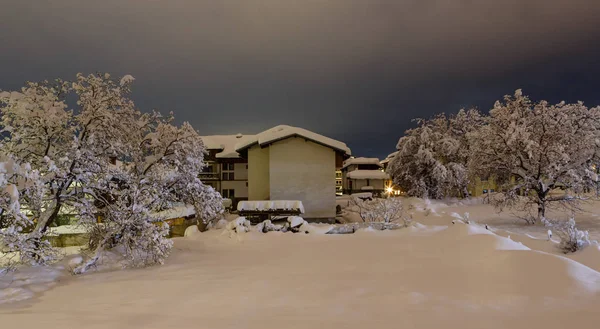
{"x":258,"y":173}
{"x":305,"y":171}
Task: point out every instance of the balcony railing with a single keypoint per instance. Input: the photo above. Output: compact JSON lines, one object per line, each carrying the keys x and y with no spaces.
{"x":206,"y":176}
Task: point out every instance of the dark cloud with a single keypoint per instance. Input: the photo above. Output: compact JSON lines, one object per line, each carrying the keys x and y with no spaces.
{"x":357,"y":70}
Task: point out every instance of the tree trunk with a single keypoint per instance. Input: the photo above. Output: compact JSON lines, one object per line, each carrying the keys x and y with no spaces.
{"x":465,"y":193}
{"x":48,"y":217}
{"x":541,"y":211}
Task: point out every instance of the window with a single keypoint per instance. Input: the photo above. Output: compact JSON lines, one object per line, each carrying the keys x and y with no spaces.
{"x":368,"y":182}
{"x":227,"y":171}
{"x":246,"y":184}
{"x":246,"y":166}
{"x":228,"y":193}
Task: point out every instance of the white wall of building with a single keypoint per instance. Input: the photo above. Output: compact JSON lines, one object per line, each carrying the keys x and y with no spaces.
{"x":302,"y":170}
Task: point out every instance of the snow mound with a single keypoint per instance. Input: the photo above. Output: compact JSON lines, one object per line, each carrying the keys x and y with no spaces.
{"x":191,"y":231}
{"x":25,"y":282}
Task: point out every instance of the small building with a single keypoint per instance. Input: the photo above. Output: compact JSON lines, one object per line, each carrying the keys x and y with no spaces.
{"x":364,"y":175}
{"x":290,"y":163}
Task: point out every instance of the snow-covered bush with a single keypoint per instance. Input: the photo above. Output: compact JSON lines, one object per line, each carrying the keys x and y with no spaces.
{"x":103,"y":159}
{"x":390,"y":210}
{"x":571,"y":238}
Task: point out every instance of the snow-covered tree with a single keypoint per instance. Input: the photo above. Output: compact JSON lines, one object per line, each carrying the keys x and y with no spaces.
{"x":432,"y":159}
{"x":535,"y":148}
{"x":105,"y":159}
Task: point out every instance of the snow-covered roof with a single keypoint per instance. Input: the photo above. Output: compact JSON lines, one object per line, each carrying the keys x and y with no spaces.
{"x":225,"y":143}
{"x":367,"y":174}
{"x":389,"y":157}
{"x":356,"y":161}
{"x":282,"y":132}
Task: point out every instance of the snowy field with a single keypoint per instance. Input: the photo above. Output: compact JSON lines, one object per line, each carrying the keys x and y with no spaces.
{"x":434,"y":274}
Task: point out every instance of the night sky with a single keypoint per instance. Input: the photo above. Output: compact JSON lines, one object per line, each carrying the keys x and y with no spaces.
{"x":354,"y":70}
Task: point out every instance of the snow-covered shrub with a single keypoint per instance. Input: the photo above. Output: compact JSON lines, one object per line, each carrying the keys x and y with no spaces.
{"x":390,"y":210}
{"x":571,"y":238}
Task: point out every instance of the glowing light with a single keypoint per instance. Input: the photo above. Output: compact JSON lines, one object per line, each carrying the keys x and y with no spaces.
{"x":389,"y":190}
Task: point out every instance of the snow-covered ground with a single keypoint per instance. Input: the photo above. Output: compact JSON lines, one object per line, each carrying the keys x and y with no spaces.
{"x":434,"y":274}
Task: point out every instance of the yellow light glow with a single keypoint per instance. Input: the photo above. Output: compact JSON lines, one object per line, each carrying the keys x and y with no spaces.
{"x":390,"y":190}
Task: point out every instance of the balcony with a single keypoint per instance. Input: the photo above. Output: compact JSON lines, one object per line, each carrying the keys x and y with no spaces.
{"x":208,"y":176}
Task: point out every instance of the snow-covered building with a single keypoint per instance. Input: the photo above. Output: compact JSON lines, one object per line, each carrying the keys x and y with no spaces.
{"x":290,"y":163}
{"x":384,"y":163}
{"x":364,"y":175}
{"x":227,"y":171}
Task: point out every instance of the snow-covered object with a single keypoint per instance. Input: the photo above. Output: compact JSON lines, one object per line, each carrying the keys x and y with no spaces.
{"x":367,"y":174}
{"x":362,"y":161}
{"x":389,"y":210}
{"x":178,"y":210}
{"x":294,"y":205}
{"x":126,"y":79}
{"x":533,"y":148}
{"x":227,"y":203}
{"x":295,"y":221}
{"x":282,"y":132}
{"x":17,"y":247}
{"x":571,"y":238}
{"x":432,"y":159}
{"x":191,"y":231}
{"x":268,"y":226}
{"x":237,"y":226}
{"x":104,"y":159}
{"x":388,"y":158}
{"x":226,"y":144}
